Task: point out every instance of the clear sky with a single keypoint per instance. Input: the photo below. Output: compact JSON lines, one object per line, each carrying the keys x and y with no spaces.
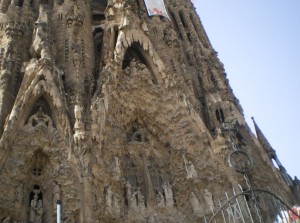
{"x":259,"y":43}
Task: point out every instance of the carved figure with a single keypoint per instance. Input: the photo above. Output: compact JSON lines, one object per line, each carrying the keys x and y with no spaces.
{"x":195,"y":204}
{"x":190,"y":169}
{"x":19,"y":194}
{"x":192,"y":173}
{"x":78,"y":112}
{"x":160,"y":199}
{"x":40,"y":118}
{"x":169,"y":194}
{"x":116,"y":167}
{"x":133,"y":200}
{"x":36,"y":210}
{"x":108,"y":198}
{"x":116,"y":204}
{"x":208,"y":199}
{"x":128,"y":191}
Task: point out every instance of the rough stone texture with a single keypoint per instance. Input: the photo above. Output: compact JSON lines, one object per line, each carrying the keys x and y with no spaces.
{"x":117,"y":115}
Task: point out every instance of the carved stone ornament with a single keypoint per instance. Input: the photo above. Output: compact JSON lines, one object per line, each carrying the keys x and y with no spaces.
{"x":40,"y":119}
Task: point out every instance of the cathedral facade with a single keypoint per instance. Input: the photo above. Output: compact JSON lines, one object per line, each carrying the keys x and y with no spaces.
{"x":121,"y":111}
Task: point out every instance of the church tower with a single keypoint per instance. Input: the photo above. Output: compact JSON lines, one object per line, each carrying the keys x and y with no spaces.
{"x":120,"y":111}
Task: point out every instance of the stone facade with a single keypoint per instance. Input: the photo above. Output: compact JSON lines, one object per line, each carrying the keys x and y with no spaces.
{"x":117,"y":114}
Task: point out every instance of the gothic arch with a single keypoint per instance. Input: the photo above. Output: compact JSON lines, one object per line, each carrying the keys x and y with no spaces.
{"x":39,"y":84}
{"x":134,"y":37}
{"x":135,"y":51}
{"x":43,"y":101}
{"x":218,"y":114}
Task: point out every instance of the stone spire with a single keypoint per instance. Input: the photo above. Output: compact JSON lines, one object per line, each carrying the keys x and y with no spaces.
{"x":263,"y":141}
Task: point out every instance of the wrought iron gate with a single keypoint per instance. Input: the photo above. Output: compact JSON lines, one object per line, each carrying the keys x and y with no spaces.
{"x":242,"y":207}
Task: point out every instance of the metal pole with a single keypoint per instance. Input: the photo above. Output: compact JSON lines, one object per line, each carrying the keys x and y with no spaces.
{"x":58,"y":206}
{"x":205,"y":219}
{"x":224,"y":219}
{"x":238,"y":204}
{"x":246,"y":203}
{"x":230,"y":209}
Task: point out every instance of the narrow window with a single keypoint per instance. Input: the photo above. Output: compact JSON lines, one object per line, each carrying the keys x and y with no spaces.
{"x":20,"y":3}
{"x":220,"y":115}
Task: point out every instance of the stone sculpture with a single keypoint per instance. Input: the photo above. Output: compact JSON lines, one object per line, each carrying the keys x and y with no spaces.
{"x":195,"y":204}
{"x":36,"y":210}
{"x":209,"y":200}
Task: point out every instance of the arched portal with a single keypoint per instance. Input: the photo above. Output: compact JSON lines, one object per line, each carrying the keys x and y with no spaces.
{"x":136,"y":53}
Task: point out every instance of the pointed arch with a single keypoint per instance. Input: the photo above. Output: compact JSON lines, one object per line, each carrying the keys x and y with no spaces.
{"x":135,"y":51}
{"x":44,"y":84}
{"x":40,"y":105}
{"x":38,"y":163}
{"x":142,"y":44}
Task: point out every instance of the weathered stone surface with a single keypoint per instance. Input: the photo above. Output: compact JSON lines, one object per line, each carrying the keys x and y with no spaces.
{"x":121,"y":116}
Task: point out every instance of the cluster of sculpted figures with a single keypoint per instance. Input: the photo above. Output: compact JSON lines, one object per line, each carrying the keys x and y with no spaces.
{"x":36,"y":208}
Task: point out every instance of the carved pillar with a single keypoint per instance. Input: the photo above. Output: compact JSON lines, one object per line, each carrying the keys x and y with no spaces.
{"x":180,"y":26}
{"x":87,"y":188}
{"x":200,"y":31}
{"x":14,"y":32}
{"x":79,"y":55}
{"x":88,"y":200}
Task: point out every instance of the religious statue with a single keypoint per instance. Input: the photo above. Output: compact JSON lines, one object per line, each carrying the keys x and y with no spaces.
{"x":36,"y":210}
{"x":160,"y":199}
{"x":108,"y":198}
{"x":128,"y":191}
{"x":195,"y":204}
{"x":168,"y":194}
{"x":208,"y":200}
{"x":19,"y":194}
{"x":190,"y":169}
{"x":133,"y":200}
{"x":40,"y":118}
{"x":192,"y":173}
{"x":116,"y":167}
{"x":78,"y":112}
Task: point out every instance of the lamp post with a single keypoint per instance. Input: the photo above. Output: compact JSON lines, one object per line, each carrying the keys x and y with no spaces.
{"x":58,"y":206}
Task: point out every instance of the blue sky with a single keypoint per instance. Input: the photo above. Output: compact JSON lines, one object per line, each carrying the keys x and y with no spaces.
{"x":259,"y":43}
